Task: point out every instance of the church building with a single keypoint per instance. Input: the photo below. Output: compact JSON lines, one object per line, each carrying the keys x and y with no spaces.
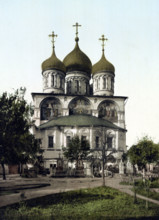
{"x":78,"y":99}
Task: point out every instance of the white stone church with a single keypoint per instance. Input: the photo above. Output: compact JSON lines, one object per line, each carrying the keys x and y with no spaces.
{"x":78,"y":99}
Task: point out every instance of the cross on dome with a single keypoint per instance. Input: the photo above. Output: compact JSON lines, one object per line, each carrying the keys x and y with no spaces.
{"x":103,"y":39}
{"x":77,"y":25}
{"x":53,"y":38}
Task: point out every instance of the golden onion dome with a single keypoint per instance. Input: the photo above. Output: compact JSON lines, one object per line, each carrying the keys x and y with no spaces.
{"x":53,"y":63}
{"x":103,"y":65}
{"x":77,"y":60}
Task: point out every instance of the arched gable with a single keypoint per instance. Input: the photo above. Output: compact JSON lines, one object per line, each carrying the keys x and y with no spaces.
{"x":80,"y":105}
{"x":50,"y":107}
{"x":108,"y":110}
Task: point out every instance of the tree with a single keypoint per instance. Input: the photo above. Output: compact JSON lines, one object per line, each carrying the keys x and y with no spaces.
{"x":144,"y":152}
{"x":17,"y":144}
{"x":106,"y":155}
{"x":77,"y":149}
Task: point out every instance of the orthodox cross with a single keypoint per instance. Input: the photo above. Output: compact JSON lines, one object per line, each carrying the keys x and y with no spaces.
{"x":53,"y":38}
{"x":77,"y":25}
{"x":103,"y":39}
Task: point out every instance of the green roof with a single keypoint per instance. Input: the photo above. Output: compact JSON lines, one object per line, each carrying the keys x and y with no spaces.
{"x":79,"y":120}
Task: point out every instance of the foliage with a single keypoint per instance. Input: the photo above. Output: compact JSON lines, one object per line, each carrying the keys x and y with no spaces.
{"x":145,"y":151}
{"x":96,"y":203}
{"x":145,"y":189}
{"x":125,"y":157}
{"x":77,"y":149}
{"x":18,"y":145}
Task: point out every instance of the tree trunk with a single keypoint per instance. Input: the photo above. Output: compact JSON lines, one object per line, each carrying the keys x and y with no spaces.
{"x":143,"y":174}
{"x":20,"y":169}
{"x":4,"y":173}
{"x":103,"y":174}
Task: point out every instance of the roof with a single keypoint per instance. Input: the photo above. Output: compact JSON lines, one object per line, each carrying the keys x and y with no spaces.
{"x":53,"y":63}
{"x":103,"y":65}
{"x":79,"y":120}
{"x":77,"y":95}
{"x":77,"y":60}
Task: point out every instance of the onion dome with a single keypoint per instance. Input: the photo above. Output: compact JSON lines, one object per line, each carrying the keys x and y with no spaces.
{"x":103,"y":64}
{"x":77,"y":60}
{"x":53,"y":62}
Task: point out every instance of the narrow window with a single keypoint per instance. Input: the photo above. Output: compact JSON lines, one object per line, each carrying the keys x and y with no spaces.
{"x":68,"y":139}
{"x":97,"y":83}
{"x":83,"y":138}
{"x":104,"y":83}
{"x":50,"y":141}
{"x":69,"y":87}
{"x":77,"y":85}
{"x":53,"y":80}
{"x":97,"y":142}
{"x":110,"y":142}
{"x":60,"y":82}
{"x":86,"y":88}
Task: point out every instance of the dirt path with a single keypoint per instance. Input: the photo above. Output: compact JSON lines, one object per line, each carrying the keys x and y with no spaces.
{"x":57,"y":185}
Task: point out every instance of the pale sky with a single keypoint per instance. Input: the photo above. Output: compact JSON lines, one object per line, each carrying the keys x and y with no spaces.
{"x":132,"y":27}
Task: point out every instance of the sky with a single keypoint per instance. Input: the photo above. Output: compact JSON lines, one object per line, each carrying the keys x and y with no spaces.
{"x":132,"y":29}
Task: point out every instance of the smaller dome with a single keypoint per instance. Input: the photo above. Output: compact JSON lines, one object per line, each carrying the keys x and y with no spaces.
{"x":53,"y":63}
{"x":77,"y":60}
{"x":103,"y":65}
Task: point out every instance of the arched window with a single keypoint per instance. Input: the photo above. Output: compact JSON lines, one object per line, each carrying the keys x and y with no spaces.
{"x":77,"y":86}
{"x":104,"y":83}
{"x":69,"y":87}
{"x":96,"y":83}
{"x":53,"y":80}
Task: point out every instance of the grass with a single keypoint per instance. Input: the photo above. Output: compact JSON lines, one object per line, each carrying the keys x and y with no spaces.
{"x":153,"y":184}
{"x":141,"y":188}
{"x":97,"y":203}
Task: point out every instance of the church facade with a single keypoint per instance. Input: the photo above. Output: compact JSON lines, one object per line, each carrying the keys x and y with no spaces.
{"x":78,"y":99}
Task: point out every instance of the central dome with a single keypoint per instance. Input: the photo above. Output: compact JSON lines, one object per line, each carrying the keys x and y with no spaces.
{"x":77,"y":60}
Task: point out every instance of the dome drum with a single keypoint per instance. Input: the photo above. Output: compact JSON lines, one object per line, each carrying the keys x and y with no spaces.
{"x":77,"y":84}
{"x":103,"y":77}
{"x":103,"y":84}
{"x":53,"y":81}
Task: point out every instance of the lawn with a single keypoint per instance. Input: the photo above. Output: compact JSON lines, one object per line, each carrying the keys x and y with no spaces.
{"x":143,"y":189}
{"x":97,"y":203}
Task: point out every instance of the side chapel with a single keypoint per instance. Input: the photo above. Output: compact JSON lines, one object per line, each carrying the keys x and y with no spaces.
{"x":78,"y":99}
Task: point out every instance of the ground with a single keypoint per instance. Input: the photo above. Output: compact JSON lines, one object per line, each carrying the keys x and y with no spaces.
{"x":28,"y":188}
